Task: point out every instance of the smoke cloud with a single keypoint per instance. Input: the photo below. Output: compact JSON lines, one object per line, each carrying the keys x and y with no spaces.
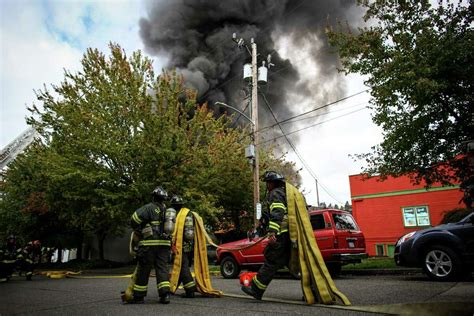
{"x":196,"y":37}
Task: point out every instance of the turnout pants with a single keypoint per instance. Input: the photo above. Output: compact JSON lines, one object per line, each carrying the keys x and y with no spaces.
{"x":7,"y":266}
{"x":28,"y":267}
{"x":4,"y":271}
{"x":185,"y":275}
{"x":148,"y":257}
{"x":277,"y":255}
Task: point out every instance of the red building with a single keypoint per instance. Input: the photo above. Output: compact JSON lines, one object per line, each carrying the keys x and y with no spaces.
{"x":386,"y":210}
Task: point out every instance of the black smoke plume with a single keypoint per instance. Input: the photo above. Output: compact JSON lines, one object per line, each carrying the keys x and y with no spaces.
{"x":196,"y":37}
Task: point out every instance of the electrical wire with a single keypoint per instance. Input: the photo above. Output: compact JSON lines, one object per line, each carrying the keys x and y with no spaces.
{"x":316,"y":109}
{"x":313,"y":125}
{"x":311,"y":172}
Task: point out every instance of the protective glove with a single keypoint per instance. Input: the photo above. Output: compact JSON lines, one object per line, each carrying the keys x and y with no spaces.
{"x":271,"y":237}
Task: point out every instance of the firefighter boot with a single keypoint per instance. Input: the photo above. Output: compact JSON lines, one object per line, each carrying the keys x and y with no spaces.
{"x":136,"y":300}
{"x":165,"y":298}
{"x":250,"y":291}
{"x":188,"y":294}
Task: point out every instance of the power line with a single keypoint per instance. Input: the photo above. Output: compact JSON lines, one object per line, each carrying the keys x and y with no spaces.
{"x":316,"y":109}
{"x":313,"y":125}
{"x":296,"y":151}
{"x":265,"y":129}
{"x":318,"y":115}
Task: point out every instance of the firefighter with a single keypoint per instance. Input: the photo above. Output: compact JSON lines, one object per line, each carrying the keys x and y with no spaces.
{"x":275,"y":221}
{"x":189,"y":247}
{"x":30,"y":256}
{"x":148,"y":223}
{"x":8,"y":257}
{"x":295,"y":248}
{"x":185,"y":276}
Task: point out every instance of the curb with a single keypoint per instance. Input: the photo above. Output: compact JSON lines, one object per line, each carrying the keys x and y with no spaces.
{"x":382,"y":271}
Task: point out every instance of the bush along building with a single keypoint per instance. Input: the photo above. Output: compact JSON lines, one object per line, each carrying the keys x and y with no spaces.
{"x":386,"y":210}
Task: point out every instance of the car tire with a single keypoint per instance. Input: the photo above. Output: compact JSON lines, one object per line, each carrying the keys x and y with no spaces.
{"x":229,"y":268}
{"x":334,"y":268}
{"x":440,"y":263}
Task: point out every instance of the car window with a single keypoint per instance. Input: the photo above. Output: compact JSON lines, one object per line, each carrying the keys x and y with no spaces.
{"x":344,"y":222}
{"x":317,"y":221}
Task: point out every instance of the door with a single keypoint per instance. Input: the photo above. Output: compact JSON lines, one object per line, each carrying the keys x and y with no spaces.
{"x":323,"y":234}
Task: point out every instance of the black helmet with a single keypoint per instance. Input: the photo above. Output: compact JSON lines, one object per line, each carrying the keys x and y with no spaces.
{"x":159,"y":194}
{"x":272,"y":176}
{"x":176,"y":200}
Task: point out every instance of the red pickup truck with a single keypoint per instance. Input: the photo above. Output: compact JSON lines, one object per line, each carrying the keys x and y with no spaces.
{"x":337,"y":234}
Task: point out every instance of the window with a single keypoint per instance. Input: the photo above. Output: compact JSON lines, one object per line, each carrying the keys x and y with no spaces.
{"x":390,"y":250}
{"x":416,"y":216}
{"x":380,"y":250}
{"x":317,"y":221}
{"x":344,"y":222}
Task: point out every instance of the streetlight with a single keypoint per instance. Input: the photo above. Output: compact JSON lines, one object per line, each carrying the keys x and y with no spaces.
{"x":236,"y":110}
{"x":251,"y":153}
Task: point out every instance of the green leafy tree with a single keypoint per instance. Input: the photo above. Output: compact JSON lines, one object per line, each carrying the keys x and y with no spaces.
{"x":26,"y":209}
{"x":109,"y":134}
{"x":455,"y":215}
{"x":419,"y":64}
{"x":112,"y":132}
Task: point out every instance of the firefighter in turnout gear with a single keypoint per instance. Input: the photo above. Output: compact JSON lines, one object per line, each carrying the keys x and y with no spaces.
{"x":275,"y":221}
{"x":149,"y":224}
{"x":292,"y":244}
{"x":189,"y":247}
{"x":185,"y":276}
{"x":8,"y":258}
{"x":29,"y":257}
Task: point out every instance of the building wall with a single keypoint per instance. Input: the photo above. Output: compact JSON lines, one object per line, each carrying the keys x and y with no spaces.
{"x":377,"y":207}
{"x":115,"y":248}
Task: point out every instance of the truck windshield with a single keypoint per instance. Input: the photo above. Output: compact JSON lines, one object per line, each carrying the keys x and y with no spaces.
{"x":344,"y":222}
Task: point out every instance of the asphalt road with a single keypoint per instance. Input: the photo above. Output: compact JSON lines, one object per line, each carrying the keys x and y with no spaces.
{"x":389,"y":294}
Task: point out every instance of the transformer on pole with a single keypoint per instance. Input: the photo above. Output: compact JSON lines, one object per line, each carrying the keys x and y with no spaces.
{"x":254,"y":75}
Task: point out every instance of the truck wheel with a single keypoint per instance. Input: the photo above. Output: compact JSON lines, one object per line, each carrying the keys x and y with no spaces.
{"x":229,"y":268}
{"x":441,"y":263}
{"x":334,"y":268}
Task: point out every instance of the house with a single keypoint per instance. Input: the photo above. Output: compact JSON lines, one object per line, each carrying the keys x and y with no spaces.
{"x":386,"y":210}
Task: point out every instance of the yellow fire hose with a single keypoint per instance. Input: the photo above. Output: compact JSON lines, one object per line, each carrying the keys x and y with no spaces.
{"x":317,"y":284}
{"x":445,"y":308}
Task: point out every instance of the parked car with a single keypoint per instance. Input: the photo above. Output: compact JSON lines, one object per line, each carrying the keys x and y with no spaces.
{"x":337,"y":234}
{"x":445,"y":252}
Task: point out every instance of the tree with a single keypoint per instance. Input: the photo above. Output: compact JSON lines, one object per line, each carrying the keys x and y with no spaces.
{"x":348,"y":207}
{"x":25,"y":209}
{"x":113,"y":131}
{"x":419,"y":64}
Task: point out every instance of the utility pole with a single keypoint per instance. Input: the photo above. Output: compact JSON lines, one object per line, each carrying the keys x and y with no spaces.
{"x":254,"y":76}
{"x":317,"y":192}
{"x":256,"y":183}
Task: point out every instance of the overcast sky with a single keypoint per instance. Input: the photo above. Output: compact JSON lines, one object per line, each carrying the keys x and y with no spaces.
{"x":41,"y":38}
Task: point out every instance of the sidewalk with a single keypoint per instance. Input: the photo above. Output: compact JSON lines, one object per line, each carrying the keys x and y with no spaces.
{"x":394,"y":271}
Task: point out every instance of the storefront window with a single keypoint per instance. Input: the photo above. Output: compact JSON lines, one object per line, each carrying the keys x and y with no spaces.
{"x":422,"y":216}
{"x":416,"y":216}
{"x":409,"y":218}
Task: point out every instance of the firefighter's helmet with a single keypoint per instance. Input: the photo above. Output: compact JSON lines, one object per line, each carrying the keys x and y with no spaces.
{"x":177,"y":201}
{"x":159,"y":194}
{"x":272,"y":176}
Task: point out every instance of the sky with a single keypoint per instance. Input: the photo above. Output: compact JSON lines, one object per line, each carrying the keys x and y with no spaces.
{"x":41,"y":38}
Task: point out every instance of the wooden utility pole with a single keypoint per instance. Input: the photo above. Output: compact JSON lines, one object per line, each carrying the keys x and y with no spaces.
{"x":317,"y":192}
{"x":256,"y":184}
